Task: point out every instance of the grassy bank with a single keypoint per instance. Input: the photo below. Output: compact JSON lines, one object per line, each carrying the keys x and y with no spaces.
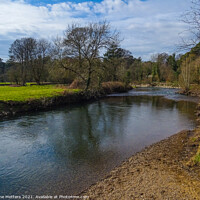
{"x":16,"y":100}
{"x":27,"y":93}
{"x":194,"y":90}
{"x":5,"y":83}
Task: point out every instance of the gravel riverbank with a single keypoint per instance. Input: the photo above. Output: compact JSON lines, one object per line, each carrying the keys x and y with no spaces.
{"x":161,"y":171}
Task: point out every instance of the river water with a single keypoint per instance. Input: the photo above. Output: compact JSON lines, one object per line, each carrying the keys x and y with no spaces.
{"x":63,"y":151}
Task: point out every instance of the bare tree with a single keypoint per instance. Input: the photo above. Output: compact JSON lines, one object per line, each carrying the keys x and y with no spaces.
{"x":41,"y":57}
{"x":30,"y":55}
{"x":80,"y":49}
{"x":61,"y":58}
{"x":185,"y":76}
{"x":22,"y":52}
{"x":14,"y":74}
{"x":192,"y":19}
{"x":2,"y":70}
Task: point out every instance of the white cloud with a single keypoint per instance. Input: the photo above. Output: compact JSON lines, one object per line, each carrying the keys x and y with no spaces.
{"x":147,"y":27}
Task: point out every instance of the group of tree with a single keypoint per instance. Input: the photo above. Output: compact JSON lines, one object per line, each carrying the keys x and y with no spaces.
{"x":76,"y":55}
{"x":2,"y":70}
{"x":28,"y":58}
{"x":92,"y":54}
{"x":190,"y":61}
{"x":190,"y":68}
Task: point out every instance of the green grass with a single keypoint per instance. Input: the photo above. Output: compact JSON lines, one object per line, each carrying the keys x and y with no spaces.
{"x":5,"y":83}
{"x":10,"y":83}
{"x":22,"y":94}
{"x":193,"y":139}
{"x":197,"y":158}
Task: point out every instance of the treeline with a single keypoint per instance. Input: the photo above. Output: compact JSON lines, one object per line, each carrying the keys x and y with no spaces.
{"x":190,"y":68}
{"x":78,"y":56}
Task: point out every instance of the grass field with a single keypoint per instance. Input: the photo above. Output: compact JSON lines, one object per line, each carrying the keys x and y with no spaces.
{"x":5,"y":83}
{"x":10,"y":83}
{"x":26,"y":93}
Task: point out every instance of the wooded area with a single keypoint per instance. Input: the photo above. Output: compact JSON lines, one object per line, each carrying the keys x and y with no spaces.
{"x":92,"y":54}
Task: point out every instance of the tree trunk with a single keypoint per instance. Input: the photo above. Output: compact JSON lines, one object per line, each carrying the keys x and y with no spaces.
{"x":88,"y":79}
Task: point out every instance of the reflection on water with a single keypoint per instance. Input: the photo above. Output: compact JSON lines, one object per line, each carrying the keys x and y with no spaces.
{"x":65,"y":150}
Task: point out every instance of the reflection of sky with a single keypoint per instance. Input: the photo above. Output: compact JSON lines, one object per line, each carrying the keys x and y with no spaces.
{"x":71,"y":147}
{"x":156,"y":91}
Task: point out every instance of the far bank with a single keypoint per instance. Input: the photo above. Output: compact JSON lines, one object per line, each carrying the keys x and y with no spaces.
{"x":18,"y":100}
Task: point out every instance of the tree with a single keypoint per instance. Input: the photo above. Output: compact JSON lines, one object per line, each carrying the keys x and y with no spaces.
{"x":162,"y":69}
{"x":172,"y":63}
{"x":192,"y":19}
{"x":2,"y":70}
{"x":22,"y":51}
{"x":80,"y":49}
{"x":62,"y":61}
{"x":31,"y":57}
{"x":185,"y":76}
{"x":41,"y":57}
{"x":147,"y":71}
{"x":115,"y":60}
{"x":14,"y":74}
{"x":155,"y":72}
{"x":197,"y":70}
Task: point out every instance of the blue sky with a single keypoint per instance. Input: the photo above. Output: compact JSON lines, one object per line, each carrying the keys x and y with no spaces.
{"x":146,"y":26}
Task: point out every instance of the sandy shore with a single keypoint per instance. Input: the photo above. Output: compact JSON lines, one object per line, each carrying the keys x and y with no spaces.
{"x":161,"y":171}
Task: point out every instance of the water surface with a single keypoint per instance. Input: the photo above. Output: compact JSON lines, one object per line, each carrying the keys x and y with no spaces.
{"x":65,"y":150}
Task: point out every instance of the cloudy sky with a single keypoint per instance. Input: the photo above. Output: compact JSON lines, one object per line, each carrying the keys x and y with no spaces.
{"x":146,"y":26}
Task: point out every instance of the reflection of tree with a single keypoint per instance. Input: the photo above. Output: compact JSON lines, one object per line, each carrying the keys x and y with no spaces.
{"x":72,"y":145}
{"x":161,"y":102}
{"x":86,"y":132}
{"x":186,"y":108}
{"x":82,"y":132}
{"x":85,"y":140}
{"x":85,"y":128}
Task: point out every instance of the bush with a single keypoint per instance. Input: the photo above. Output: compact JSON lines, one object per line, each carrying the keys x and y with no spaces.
{"x":110,"y":87}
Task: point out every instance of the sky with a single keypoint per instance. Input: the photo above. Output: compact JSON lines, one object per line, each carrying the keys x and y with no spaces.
{"x":146,"y":27}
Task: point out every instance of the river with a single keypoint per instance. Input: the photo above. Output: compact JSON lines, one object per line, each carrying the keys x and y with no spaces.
{"x":65,"y":150}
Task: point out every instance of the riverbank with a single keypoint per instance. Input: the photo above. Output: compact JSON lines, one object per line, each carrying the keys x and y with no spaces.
{"x":159,"y":85}
{"x":193,"y":91}
{"x":19,"y":102}
{"x":164,"y":170}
